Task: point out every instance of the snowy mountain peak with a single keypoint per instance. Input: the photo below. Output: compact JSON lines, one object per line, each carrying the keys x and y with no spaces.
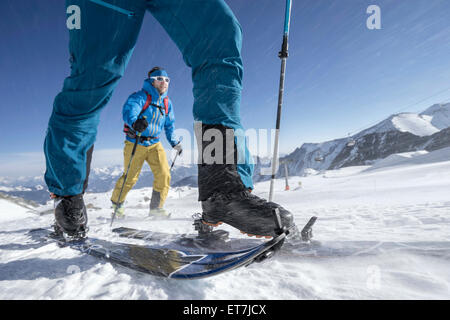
{"x":413,"y":123}
{"x":437,"y":108}
{"x":426,"y":123}
{"x":440,"y":115}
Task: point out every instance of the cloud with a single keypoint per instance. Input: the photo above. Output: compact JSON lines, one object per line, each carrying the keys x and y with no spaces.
{"x":13,"y":165}
{"x":107,"y":157}
{"x":22,"y":164}
{"x":26,"y":164}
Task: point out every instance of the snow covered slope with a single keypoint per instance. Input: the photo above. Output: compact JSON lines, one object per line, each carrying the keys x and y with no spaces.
{"x":13,"y":209}
{"x":391,"y":225}
{"x":409,"y":158}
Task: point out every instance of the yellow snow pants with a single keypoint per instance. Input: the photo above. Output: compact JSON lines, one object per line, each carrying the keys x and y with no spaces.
{"x":157,"y":160}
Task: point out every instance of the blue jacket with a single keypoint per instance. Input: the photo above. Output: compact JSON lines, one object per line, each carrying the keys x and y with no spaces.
{"x":156,"y":120}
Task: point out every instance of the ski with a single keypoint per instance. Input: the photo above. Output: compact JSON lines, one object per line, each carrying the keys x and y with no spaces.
{"x":169,"y":260}
{"x":218,"y":240}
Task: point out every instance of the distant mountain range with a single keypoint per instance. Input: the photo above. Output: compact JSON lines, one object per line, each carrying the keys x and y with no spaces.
{"x":403,"y":132}
{"x":100,"y":180}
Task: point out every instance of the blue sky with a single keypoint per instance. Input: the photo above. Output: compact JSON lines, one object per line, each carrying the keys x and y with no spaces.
{"x":341,"y":77}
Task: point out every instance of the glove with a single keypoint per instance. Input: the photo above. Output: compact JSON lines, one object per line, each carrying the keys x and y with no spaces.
{"x":140,"y":125}
{"x":179,"y":148}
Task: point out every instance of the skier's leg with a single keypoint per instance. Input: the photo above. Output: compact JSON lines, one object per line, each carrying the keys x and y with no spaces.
{"x":133,"y":173}
{"x":99,"y":52}
{"x":157,"y":160}
{"x":209,"y":37}
{"x":100,"y":47}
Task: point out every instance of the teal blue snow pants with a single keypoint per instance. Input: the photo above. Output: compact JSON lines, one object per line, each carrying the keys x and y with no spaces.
{"x":209,"y":38}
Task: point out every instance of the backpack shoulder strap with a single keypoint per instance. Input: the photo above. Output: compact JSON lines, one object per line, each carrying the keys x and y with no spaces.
{"x":147,"y":103}
{"x":166,"y":105}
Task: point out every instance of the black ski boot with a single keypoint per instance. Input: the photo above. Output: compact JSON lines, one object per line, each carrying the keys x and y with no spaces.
{"x":155,"y":201}
{"x":223,"y":195}
{"x":246,"y":212}
{"x":71,"y":216}
{"x":57,"y":233}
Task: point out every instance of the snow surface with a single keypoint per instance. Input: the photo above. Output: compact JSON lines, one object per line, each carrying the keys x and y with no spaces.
{"x":394,"y":219}
{"x":10,"y":211}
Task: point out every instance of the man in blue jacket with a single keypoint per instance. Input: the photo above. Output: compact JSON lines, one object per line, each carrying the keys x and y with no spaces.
{"x":209,"y":37}
{"x":148,"y":112}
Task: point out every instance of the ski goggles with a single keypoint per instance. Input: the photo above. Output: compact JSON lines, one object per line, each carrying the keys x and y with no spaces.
{"x":161,"y":78}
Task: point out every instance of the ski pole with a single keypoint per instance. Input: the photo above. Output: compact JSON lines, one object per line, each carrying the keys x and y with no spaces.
{"x":283,"y":54}
{"x":173,"y":162}
{"x":126,"y":175}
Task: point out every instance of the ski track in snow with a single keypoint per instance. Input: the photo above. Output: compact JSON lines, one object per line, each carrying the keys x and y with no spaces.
{"x":394,"y":221}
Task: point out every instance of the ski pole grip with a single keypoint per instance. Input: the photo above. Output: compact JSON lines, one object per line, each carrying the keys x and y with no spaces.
{"x":140,"y":133}
{"x":138,"y":137}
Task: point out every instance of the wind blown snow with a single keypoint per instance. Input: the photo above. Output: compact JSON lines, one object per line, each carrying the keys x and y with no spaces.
{"x":392,"y":220}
